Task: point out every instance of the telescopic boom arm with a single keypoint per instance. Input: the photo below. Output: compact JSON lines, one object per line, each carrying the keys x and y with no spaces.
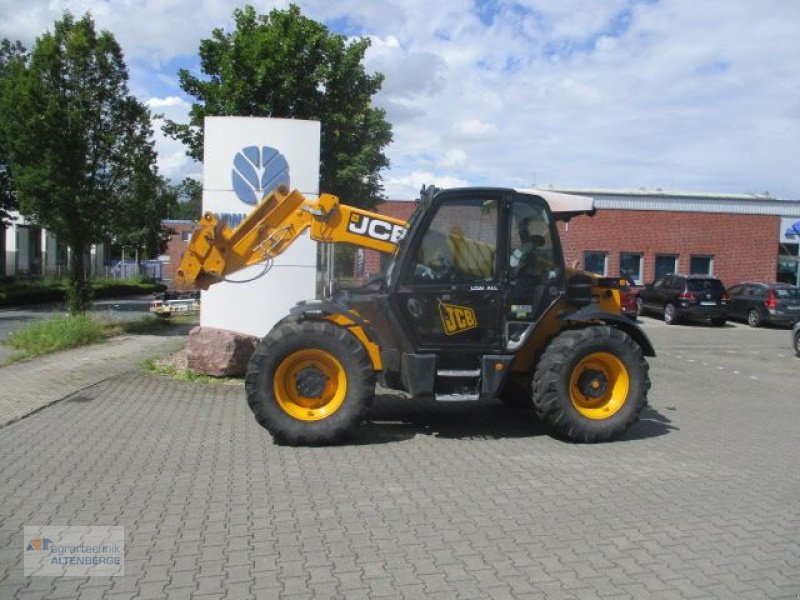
{"x":215,"y":250}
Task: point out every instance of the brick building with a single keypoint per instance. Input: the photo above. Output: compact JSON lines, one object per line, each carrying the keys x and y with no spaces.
{"x":180,"y":232}
{"x":647,"y":234}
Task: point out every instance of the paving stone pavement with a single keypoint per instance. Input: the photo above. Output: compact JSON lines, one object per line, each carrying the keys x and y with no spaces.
{"x":700,"y":500}
{"x":28,"y":386}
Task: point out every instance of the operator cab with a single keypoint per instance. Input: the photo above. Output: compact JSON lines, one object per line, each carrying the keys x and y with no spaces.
{"x":477,"y":269}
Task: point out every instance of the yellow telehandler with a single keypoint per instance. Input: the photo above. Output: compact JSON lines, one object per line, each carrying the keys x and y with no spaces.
{"x":476,"y":304}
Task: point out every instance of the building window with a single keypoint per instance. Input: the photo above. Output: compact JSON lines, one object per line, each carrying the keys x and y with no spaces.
{"x":789,"y":264}
{"x":186,"y":236}
{"x":630,"y":265}
{"x":595,"y":262}
{"x":701,"y":265}
{"x":666,"y":264}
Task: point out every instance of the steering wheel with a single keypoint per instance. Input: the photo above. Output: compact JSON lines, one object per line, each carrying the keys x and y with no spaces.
{"x":423,"y":273}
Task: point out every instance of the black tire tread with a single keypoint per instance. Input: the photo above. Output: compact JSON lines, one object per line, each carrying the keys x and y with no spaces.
{"x":290,"y":335}
{"x":551,"y":382}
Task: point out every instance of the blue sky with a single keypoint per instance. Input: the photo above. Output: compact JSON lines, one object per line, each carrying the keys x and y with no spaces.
{"x":671,"y":94}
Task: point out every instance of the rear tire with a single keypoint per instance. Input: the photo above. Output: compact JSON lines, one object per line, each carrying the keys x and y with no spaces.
{"x":309,"y":383}
{"x":753,"y":318}
{"x":797,"y":342}
{"x":591,"y":384}
{"x":670,"y":314}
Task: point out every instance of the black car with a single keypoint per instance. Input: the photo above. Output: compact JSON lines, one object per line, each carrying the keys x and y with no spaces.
{"x":679,"y":297}
{"x":757,"y":303}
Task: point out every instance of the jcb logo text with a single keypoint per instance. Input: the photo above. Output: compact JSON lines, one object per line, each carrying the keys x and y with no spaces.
{"x":456,"y":319}
{"x":376,"y":229}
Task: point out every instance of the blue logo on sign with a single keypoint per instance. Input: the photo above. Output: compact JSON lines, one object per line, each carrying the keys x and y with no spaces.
{"x":257,"y":171}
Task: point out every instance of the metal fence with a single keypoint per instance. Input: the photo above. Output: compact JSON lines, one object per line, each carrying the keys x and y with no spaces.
{"x":131,"y":269}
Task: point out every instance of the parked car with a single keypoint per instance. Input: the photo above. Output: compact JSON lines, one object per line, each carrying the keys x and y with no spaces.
{"x":796,"y":338}
{"x":678,"y":297}
{"x":758,"y":303}
{"x":627,"y":294}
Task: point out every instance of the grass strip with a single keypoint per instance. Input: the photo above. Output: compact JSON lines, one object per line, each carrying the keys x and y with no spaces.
{"x":156,"y":367}
{"x":53,"y":334}
{"x":63,"y":332}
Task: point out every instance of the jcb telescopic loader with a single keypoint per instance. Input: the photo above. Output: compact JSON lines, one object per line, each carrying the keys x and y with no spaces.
{"x":476,"y":304}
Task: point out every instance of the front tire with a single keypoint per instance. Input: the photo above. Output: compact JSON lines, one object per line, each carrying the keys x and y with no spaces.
{"x":309,"y":383}
{"x":591,"y":384}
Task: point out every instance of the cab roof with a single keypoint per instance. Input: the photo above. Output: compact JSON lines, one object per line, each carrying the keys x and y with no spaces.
{"x":562,"y":205}
{"x":560,"y":202}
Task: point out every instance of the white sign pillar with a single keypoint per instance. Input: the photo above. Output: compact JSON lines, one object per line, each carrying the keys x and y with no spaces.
{"x":244,"y":159}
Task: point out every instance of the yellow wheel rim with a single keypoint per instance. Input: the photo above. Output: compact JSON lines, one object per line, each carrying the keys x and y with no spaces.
{"x":599,"y":385}
{"x":310,"y":385}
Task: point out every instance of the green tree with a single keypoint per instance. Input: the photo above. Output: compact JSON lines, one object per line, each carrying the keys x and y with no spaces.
{"x":189,"y":200}
{"x":8,"y":198}
{"x":9,"y":52}
{"x":80,"y":145}
{"x":138,"y":224}
{"x":288,"y":66}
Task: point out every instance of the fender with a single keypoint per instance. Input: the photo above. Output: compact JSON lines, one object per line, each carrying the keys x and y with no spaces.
{"x":343,"y":316}
{"x":592,"y":313}
{"x":319,"y":309}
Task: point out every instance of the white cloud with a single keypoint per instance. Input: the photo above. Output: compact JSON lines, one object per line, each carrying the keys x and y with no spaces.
{"x":671,"y":94}
{"x":453,"y":158}
{"x":407,"y":187}
{"x":168,"y":102}
{"x":473,"y":129}
{"x":173,"y":163}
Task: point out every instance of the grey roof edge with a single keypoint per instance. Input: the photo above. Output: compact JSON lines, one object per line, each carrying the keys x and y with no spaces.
{"x":669,"y":201}
{"x":660,"y":193}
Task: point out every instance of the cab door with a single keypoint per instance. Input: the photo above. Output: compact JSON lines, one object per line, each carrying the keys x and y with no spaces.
{"x":535,"y":266}
{"x":449,"y":293}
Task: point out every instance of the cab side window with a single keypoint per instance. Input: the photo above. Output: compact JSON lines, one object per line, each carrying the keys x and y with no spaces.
{"x":460,"y":246}
{"x":533,"y":265}
{"x":530,"y":244}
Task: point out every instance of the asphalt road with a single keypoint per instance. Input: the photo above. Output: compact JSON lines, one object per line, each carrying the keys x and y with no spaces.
{"x":131,"y":307}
